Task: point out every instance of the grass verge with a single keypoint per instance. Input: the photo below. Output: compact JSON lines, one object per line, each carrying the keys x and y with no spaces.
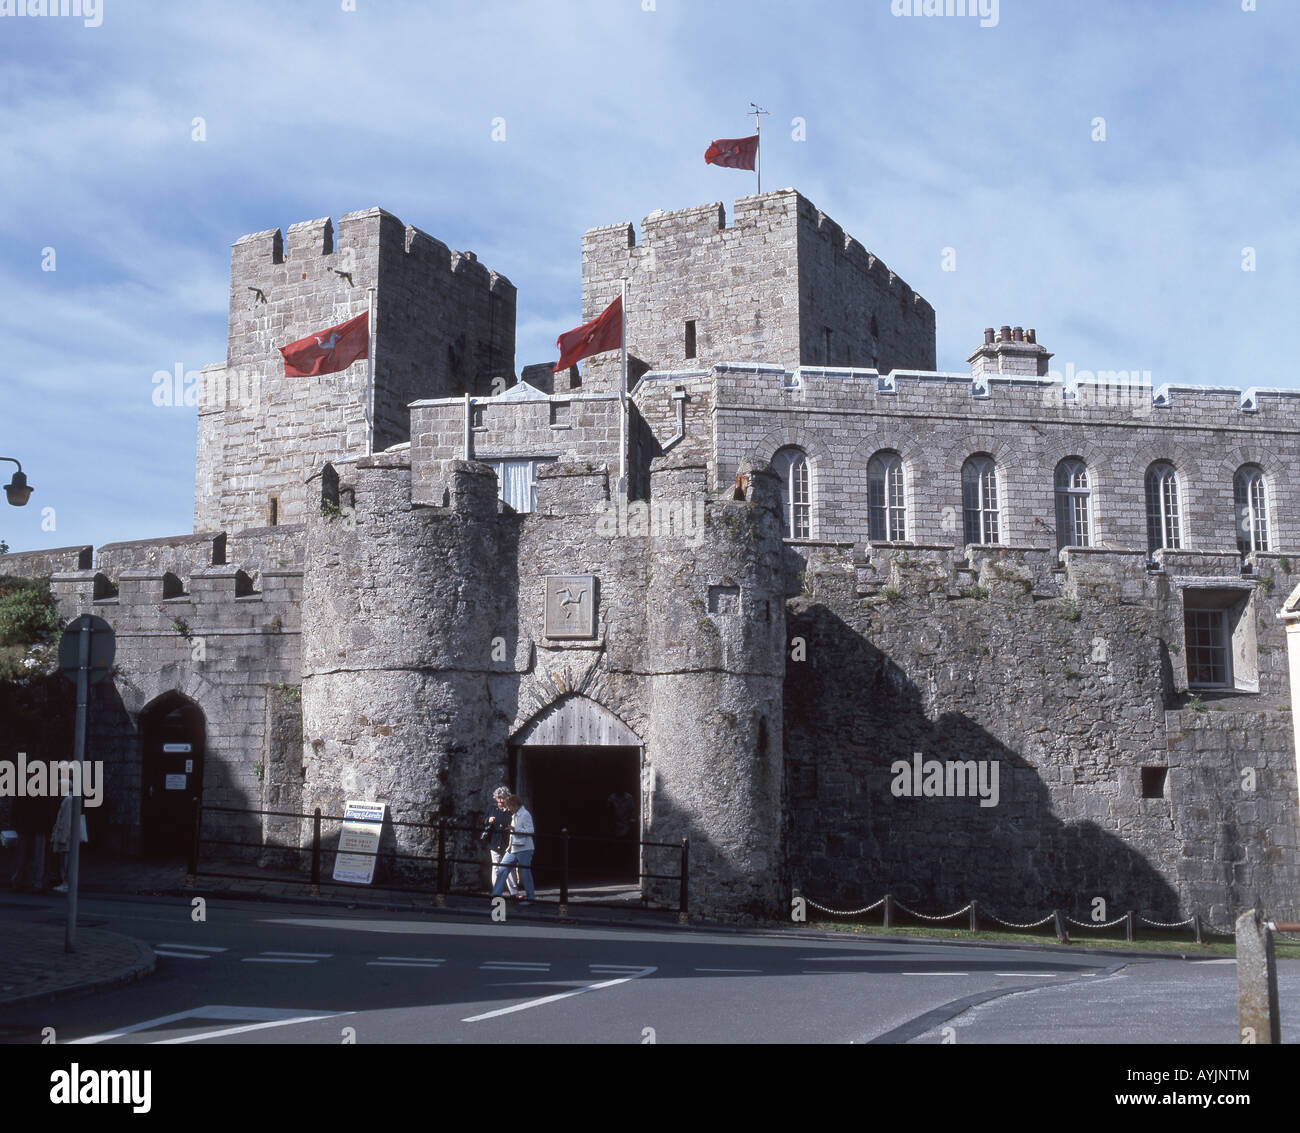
{"x":1153,"y":941}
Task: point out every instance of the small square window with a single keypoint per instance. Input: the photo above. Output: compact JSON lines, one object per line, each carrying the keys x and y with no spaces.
{"x":560,"y":414}
{"x":1153,"y":782}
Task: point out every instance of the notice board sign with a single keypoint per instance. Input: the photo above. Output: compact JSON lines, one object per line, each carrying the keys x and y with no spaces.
{"x":359,"y":842}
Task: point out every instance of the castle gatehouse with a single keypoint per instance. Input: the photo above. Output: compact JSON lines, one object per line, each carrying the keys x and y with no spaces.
{"x":792,"y":558}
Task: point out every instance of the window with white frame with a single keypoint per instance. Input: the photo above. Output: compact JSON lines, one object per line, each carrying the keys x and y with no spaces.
{"x":1252,"y":509}
{"x":979,"y":496}
{"x":1209,"y":653}
{"x":517,"y":481}
{"x":1073,"y":504}
{"x":791,"y":465}
{"x":1163,"y":526}
{"x":887,"y":498}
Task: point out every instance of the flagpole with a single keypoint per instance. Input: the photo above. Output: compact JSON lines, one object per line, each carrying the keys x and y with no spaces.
{"x":370,"y":372}
{"x":758,"y":146}
{"x":622,"y":396}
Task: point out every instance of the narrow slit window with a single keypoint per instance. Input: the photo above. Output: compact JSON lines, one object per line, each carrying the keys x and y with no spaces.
{"x":690,"y":338}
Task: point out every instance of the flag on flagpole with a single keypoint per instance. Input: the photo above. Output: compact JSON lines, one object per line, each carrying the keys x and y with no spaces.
{"x":604,"y":332}
{"x":734,"y":153}
{"x":330,"y":351}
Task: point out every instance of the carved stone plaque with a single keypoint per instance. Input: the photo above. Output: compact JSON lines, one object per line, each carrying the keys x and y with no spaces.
{"x":570,"y":606}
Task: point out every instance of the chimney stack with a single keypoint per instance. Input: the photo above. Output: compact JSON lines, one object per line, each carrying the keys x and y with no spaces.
{"x":1013,"y":351}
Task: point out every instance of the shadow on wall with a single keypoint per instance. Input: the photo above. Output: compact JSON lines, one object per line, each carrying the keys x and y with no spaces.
{"x":852,"y":840}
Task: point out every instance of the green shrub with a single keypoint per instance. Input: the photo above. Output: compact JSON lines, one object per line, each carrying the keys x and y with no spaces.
{"x":27,"y":614}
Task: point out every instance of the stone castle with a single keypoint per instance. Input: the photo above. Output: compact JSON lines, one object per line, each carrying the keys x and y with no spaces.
{"x":793,"y":558}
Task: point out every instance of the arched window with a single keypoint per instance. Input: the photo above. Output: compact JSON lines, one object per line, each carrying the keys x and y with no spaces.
{"x":979,"y":499}
{"x":887,"y":498}
{"x":1073,"y":504}
{"x":1163,"y":526}
{"x":791,"y":464}
{"x":1252,"y":509}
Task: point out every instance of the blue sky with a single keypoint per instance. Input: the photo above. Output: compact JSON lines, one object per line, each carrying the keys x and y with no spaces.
{"x":922,"y":134}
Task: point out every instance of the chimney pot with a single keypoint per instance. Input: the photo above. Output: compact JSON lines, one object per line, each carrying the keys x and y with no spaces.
{"x":1018,"y":334}
{"x":988,"y":336}
{"x":1004,"y":335}
{"x":1031,"y":336}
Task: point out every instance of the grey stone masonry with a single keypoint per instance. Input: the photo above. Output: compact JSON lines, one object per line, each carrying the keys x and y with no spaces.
{"x":444,"y":324}
{"x":782,"y":284}
{"x":220,"y":625}
{"x":935,"y":421}
{"x":42,"y":564}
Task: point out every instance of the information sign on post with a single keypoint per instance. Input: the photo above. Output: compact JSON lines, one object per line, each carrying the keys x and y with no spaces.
{"x":363,"y":823}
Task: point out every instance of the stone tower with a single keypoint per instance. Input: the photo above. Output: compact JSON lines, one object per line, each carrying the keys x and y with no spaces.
{"x":444,"y":326}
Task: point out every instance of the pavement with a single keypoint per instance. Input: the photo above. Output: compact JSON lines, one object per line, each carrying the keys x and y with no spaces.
{"x":34,"y":967}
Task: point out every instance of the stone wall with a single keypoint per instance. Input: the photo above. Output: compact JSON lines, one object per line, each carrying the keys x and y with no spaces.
{"x":854,"y":311}
{"x":765,"y":289}
{"x":1059,"y":679}
{"x":523,"y":422}
{"x":936,"y":421}
{"x":418,"y":699}
{"x":42,"y":564}
{"x":226,"y":642}
{"x":444,"y":325}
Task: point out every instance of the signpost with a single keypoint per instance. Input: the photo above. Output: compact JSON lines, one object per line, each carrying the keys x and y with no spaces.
{"x":359,"y":842}
{"x":86,"y":653}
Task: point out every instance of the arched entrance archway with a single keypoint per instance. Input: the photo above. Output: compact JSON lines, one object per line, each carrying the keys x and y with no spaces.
{"x":172,"y":740}
{"x":578,"y":767}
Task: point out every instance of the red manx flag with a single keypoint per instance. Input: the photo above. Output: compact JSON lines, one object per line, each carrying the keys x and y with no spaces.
{"x":604,"y":332}
{"x":334,"y":349}
{"x":734,"y":153}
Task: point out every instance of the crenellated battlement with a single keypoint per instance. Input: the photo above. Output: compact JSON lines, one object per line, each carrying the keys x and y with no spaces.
{"x":781,"y":283}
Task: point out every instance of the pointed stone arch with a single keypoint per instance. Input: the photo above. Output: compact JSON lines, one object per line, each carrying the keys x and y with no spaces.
{"x":575,"y":721}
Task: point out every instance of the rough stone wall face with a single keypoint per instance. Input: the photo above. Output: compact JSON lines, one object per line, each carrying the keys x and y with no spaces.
{"x":425,"y":653}
{"x":223,"y":651}
{"x":443,"y":324}
{"x":1067,"y":696}
{"x":581,"y":427}
{"x":42,"y":564}
{"x":766,"y":289}
{"x":739,"y":284}
{"x":854,"y":311}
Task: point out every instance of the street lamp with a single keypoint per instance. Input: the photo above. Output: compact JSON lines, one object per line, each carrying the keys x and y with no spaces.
{"x":18,"y":490}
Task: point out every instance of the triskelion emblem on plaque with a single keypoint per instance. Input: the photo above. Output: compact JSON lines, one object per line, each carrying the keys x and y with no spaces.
{"x":570,"y":605}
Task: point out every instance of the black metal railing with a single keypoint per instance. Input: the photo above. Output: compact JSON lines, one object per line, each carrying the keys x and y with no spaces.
{"x":447,"y":836}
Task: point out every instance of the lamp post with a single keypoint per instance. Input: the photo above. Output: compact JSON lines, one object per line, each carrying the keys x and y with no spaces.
{"x":17,"y":490}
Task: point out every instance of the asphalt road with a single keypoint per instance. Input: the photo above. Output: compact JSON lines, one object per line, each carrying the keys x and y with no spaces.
{"x":266,"y":973}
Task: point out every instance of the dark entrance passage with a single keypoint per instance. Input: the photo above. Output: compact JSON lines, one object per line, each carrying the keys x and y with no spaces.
{"x":593,"y":792}
{"x":172,"y":738}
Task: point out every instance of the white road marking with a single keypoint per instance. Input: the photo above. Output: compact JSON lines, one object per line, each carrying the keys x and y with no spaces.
{"x":513,"y":966}
{"x":561,"y":995}
{"x":936,"y":973}
{"x":738,"y":971}
{"x":403,"y":964}
{"x":273,"y":1015}
{"x":181,"y":955}
{"x":1034,"y":975}
{"x":250,"y":1027}
{"x":1228,"y":961}
{"x":273,"y":960}
{"x":305,"y":955}
{"x":415,"y":959}
{"x":192,"y":947}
